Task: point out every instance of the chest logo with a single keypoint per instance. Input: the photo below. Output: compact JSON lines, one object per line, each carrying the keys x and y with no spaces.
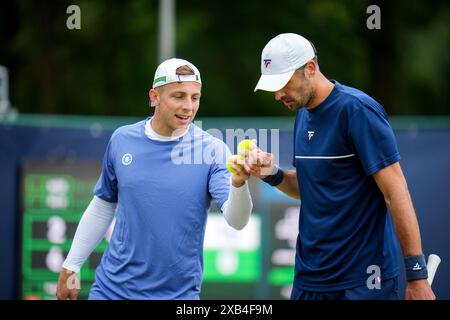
{"x":127,"y":159}
{"x":310,"y":134}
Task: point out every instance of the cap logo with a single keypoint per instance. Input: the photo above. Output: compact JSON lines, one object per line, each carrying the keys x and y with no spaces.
{"x":163,"y":79}
{"x":267,"y":62}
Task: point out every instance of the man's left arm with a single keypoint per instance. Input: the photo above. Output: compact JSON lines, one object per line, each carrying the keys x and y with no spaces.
{"x":392,"y":184}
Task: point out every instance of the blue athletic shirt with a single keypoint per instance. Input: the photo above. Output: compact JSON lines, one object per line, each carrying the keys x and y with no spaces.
{"x":344,"y":225}
{"x":163,"y":191}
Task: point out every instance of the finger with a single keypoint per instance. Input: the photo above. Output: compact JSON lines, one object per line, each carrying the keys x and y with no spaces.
{"x":259,"y":158}
{"x":253,"y":146}
{"x":240,"y":162}
{"x":73,"y":295}
{"x":239,"y":170}
{"x":235,"y":167}
{"x":244,"y":174}
{"x":61,"y":295}
{"x":247,"y":164}
{"x":253,"y":158}
{"x":265,"y":162}
{"x":243,"y":153}
{"x":267,"y":158}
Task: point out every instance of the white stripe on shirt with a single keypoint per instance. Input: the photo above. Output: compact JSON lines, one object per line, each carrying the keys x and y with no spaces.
{"x":325,"y":157}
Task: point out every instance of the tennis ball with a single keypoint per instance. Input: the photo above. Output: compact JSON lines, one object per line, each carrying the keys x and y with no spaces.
{"x":246,"y":145}
{"x":231,"y":159}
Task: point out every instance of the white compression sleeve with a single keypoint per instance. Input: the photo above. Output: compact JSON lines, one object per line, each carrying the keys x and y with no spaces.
{"x":92,"y":228}
{"x":238,"y":207}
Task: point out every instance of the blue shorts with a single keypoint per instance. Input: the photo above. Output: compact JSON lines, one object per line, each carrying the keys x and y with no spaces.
{"x":388,"y":291}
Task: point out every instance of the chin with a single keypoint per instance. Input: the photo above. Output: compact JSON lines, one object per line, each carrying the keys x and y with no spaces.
{"x":294,"y":107}
{"x":181,"y":127}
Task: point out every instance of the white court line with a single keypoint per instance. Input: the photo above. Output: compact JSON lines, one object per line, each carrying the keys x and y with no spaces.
{"x":325,"y":157}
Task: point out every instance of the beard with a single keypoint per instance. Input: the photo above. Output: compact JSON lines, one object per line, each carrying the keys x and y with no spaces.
{"x":302,"y":101}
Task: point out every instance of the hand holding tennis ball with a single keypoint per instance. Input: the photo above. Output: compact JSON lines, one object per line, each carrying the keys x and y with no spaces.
{"x":238,"y":160}
{"x":257,"y":162}
{"x":235,"y":164}
{"x":245,"y":146}
{"x":235,"y":160}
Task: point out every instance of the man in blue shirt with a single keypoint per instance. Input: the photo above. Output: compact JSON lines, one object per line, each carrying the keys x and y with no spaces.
{"x":347,"y":176}
{"x":158,"y":178}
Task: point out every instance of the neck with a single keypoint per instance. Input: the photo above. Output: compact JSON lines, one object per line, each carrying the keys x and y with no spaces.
{"x":164,"y":130}
{"x":323,"y":88}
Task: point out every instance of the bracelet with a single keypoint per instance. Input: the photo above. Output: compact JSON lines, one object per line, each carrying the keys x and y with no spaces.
{"x":416,"y":268}
{"x":274,"y":179}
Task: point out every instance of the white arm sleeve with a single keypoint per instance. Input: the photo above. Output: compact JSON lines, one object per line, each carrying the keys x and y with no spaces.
{"x":92,"y":228}
{"x":238,"y":207}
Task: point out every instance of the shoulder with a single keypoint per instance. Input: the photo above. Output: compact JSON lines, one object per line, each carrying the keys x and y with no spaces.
{"x":359,"y":103}
{"x":128,"y":130}
{"x":123,"y":135}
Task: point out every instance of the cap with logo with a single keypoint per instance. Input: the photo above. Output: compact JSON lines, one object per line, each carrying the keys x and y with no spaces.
{"x":167,"y":73}
{"x":280,"y":58}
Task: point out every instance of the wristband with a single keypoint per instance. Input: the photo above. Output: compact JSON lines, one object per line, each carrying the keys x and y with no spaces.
{"x":416,"y":267}
{"x":275,"y":179}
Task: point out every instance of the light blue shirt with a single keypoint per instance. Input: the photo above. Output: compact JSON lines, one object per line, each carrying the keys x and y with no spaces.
{"x":163,"y":190}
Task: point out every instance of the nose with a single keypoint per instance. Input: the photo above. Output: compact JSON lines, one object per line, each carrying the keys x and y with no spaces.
{"x":188,"y":105}
{"x":279,"y":95}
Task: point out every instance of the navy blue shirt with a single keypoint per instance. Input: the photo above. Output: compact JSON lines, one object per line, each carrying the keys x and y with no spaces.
{"x":344,"y":226}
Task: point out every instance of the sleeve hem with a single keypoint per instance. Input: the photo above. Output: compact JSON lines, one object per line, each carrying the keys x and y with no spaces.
{"x":220,"y":203}
{"x":382,"y":164}
{"x":105,"y":198}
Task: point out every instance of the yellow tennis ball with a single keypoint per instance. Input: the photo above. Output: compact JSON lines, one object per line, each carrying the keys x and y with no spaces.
{"x":231,"y":159}
{"x":246,"y":145}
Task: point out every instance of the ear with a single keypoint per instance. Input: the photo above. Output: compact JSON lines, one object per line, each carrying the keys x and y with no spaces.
{"x":154,"y":97}
{"x":310,"y":69}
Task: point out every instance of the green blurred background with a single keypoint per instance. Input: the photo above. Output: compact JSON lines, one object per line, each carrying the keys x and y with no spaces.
{"x":106,"y":68}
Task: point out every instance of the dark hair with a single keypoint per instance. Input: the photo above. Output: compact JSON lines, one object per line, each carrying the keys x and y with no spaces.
{"x":315,"y":58}
{"x":314,"y":48}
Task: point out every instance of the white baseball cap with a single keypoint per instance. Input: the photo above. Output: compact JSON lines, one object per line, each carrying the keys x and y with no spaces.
{"x":167,"y":73}
{"x":280,"y":58}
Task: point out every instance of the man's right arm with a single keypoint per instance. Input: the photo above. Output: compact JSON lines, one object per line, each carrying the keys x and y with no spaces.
{"x":289,"y":185}
{"x":258,"y":163}
{"x":90,"y":231}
